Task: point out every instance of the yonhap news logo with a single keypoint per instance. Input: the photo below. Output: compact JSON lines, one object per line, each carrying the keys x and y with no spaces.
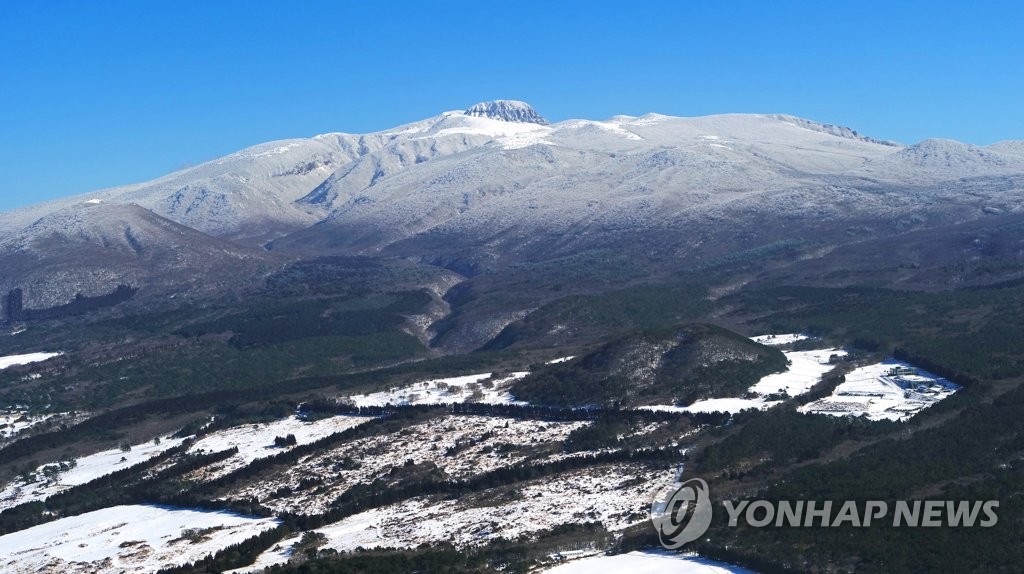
{"x":682,"y":513}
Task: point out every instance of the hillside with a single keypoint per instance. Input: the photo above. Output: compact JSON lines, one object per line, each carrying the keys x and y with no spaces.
{"x":678,"y":366}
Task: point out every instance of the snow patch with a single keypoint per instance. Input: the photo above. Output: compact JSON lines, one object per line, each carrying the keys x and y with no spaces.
{"x":890,"y":390}
{"x":256,"y":441}
{"x":611,"y":494}
{"x":84,"y":469}
{"x":804,"y":370}
{"x":780,"y":339}
{"x":458,"y":446}
{"x":647,"y":562}
{"x":445,"y":391}
{"x":136,"y":538}
{"x":12,"y":360}
{"x":16,"y":421}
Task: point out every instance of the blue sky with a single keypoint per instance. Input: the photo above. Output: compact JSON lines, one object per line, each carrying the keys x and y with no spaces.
{"x":100,"y":93}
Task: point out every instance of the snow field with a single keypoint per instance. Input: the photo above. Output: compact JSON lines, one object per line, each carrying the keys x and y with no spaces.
{"x":777,"y":340}
{"x":874,"y":392}
{"x":14,"y":421}
{"x":616,"y":495}
{"x":444,"y":391}
{"x":484,"y":444}
{"x":129,"y":539}
{"x":86,"y":469}
{"x":255,"y":441}
{"x":12,"y":360}
{"x":805,"y":369}
{"x":647,"y":562}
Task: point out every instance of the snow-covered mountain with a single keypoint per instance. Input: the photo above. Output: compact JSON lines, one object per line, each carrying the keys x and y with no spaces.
{"x":502,"y":186}
{"x":507,"y":110}
{"x":92,"y":247}
{"x":499,"y":181}
{"x":250,"y":193}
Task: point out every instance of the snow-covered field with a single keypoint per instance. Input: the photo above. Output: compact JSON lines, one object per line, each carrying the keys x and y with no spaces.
{"x":616,"y":495}
{"x":610,"y":494}
{"x":477,"y":444}
{"x":15,"y":421}
{"x":129,"y":539}
{"x":804,"y":371}
{"x":85,"y":469}
{"x":777,"y":340}
{"x":255,"y":441}
{"x":11,"y":360}
{"x":891,"y":390}
{"x":647,"y":562}
{"x":727,"y":405}
{"x":475,"y":388}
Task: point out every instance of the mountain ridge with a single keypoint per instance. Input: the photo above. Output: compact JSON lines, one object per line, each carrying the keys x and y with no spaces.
{"x":493,"y":186}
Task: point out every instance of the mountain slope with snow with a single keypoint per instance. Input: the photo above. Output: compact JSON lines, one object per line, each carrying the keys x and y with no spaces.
{"x":91,"y":248}
{"x":498,"y":183}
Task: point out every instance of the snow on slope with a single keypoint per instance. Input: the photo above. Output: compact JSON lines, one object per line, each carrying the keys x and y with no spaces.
{"x":805,"y":369}
{"x":616,"y":495}
{"x":647,"y":562}
{"x":247,"y":193}
{"x":934,"y":160}
{"x":128,"y":539}
{"x":16,"y":421}
{"x":11,"y":360}
{"x":611,"y":495}
{"x":487,"y":176}
{"x":444,"y":391}
{"x":255,"y":441}
{"x":91,"y":249}
{"x":478,"y":444}
{"x":779,"y":340}
{"x":86,"y":469}
{"x":589,"y":171}
{"x":892,"y":390}
{"x":507,"y":110}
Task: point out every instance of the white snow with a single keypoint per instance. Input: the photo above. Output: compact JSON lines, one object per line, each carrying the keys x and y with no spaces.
{"x":647,"y":562}
{"x":359,"y":531}
{"x":892,"y":390}
{"x":481,"y":444}
{"x":93,"y":201}
{"x":727,"y":405}
{"x":561,"y":360}
{"x":86,"y":469}
{"x":606,"y":494}
{"x":612,"y":127}
{"x":445,"y":391}
{"x":805,"y":369}
{"x":510,"y":135}
{"x":779,"y":339}
{"x":255,"y":441}
{"x":609,"y":494}
{"x":11,"y":360}
{"x":125,"y":539}
{"x":15,"y":421}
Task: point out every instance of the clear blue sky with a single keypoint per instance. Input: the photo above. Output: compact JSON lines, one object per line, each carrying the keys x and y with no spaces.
{"x":98,"y":93}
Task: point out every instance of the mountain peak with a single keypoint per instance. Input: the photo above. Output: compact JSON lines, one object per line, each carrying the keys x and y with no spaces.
{"x":508,"y":111}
